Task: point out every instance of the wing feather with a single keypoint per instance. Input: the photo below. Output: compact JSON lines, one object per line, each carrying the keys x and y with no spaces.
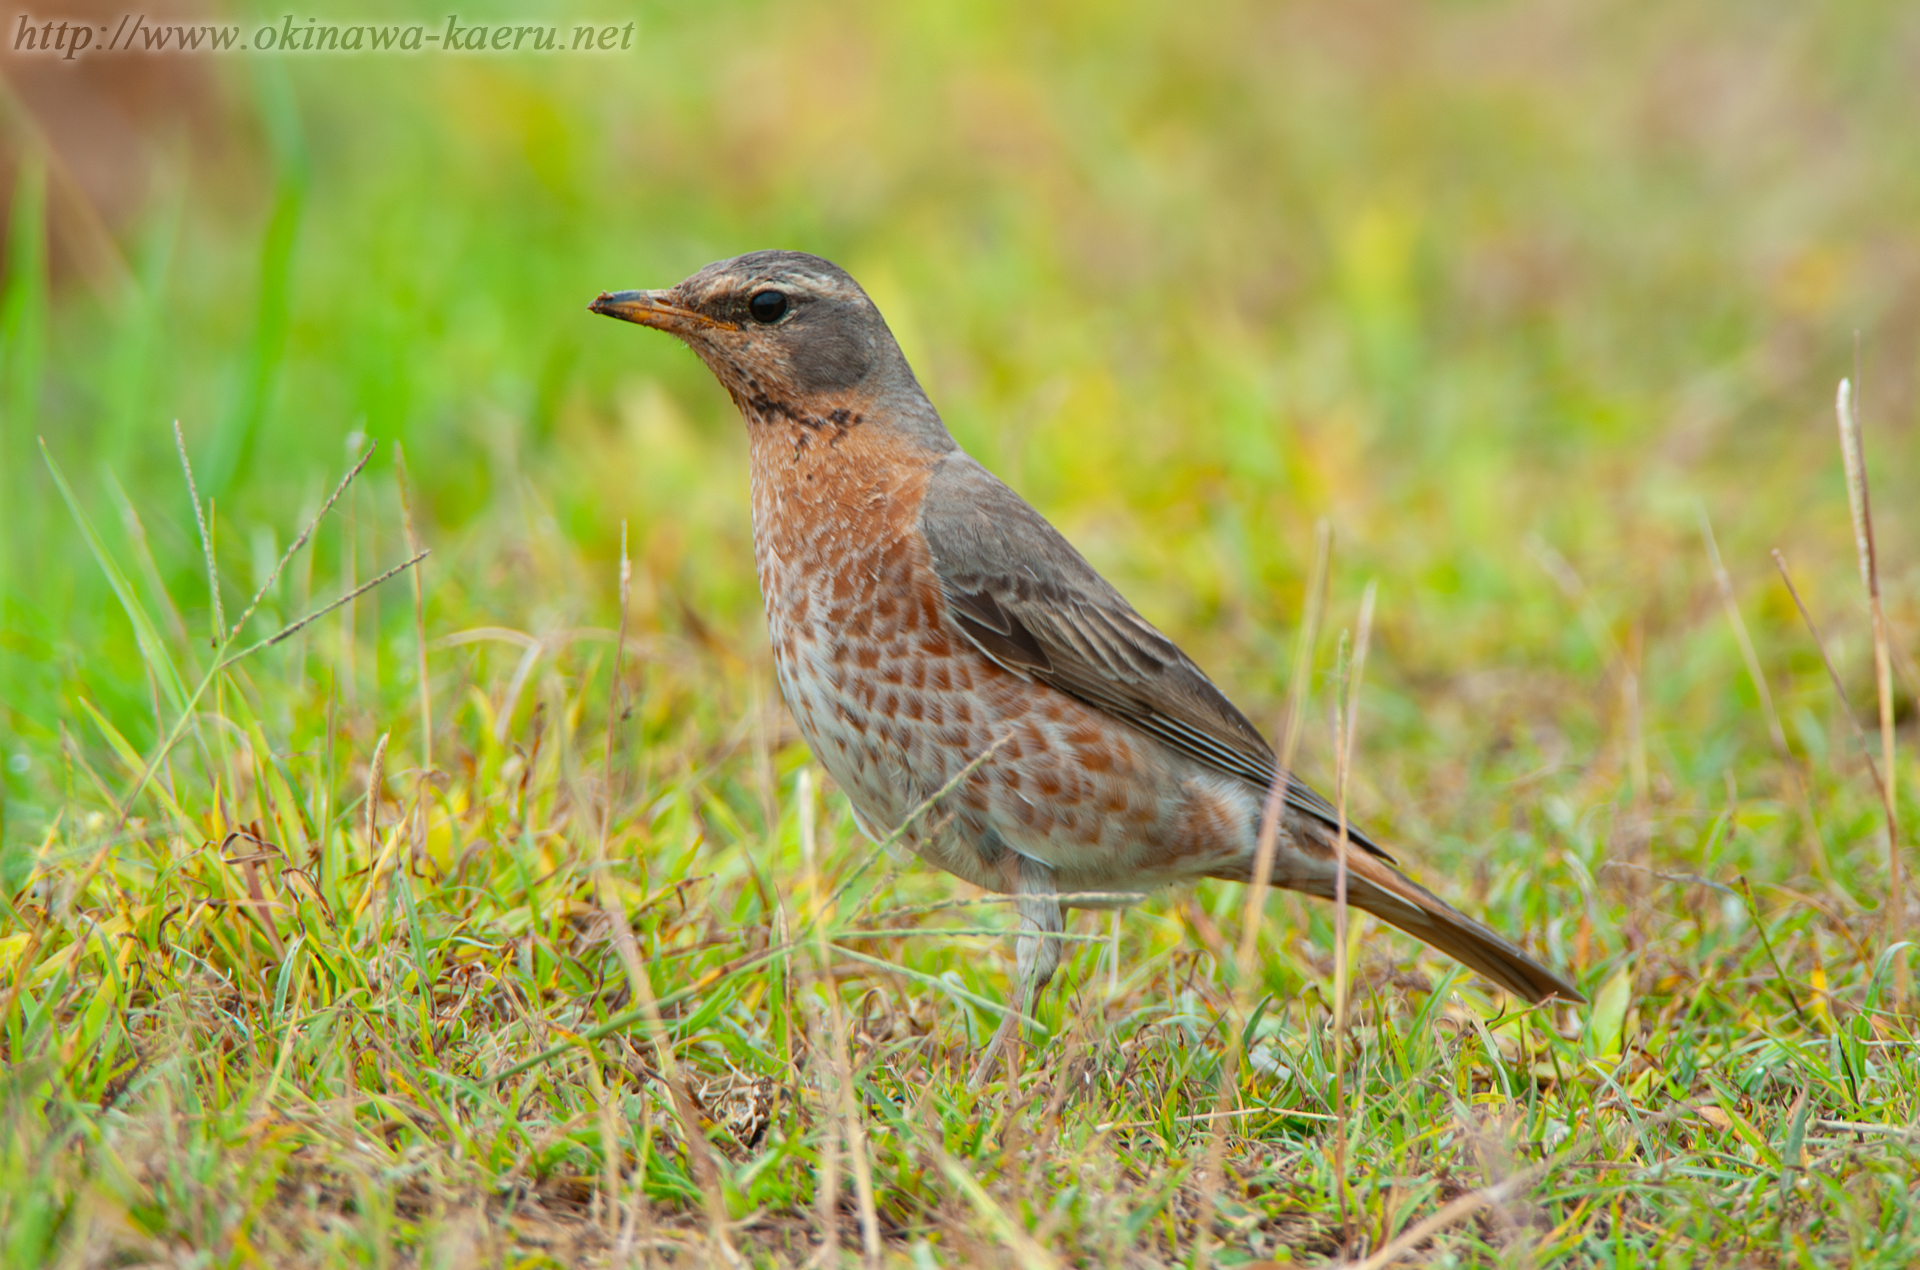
{"x":1033,"y":604}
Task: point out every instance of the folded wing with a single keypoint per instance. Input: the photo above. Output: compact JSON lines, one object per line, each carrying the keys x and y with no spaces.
{"x":1034,"y":605}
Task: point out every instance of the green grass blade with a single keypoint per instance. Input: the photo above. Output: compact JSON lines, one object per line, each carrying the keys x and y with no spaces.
{"x":153,"y":648}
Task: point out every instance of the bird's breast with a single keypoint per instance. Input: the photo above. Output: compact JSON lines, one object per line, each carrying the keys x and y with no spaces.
{"x":895,"y":701}
{"x":866,"y":658}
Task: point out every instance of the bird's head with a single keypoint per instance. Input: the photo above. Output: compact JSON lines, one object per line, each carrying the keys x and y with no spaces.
{"x":790,"y":336}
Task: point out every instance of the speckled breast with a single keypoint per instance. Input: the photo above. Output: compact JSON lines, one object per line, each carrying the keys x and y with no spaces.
{"x":895,"y":701}
{"x":861,"y":645}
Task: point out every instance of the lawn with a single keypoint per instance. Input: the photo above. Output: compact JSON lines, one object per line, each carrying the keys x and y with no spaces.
{"x":498,"y":914}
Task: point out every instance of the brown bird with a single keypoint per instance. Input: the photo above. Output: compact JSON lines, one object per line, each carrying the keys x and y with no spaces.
{"x":920,"y":612}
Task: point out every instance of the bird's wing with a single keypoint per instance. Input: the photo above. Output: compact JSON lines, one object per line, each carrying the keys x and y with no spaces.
{"x":1033,"y":604}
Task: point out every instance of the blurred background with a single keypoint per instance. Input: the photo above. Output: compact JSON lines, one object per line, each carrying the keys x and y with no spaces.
{"x":1509,"y":293}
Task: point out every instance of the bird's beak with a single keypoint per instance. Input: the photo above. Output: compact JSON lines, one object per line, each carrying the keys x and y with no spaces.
{"x":652,"y":308}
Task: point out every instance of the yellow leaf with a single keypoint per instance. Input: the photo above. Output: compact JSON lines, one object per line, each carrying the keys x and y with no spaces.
{"x":1818,"y":979}
{"x":1610,"y":1013}
{"x":11,"y":947}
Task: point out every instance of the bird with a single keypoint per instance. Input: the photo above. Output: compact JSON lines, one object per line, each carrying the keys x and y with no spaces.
{"x":922,"y":615}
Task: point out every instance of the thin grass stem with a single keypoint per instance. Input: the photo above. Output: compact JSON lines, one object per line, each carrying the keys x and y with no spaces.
{"x":640,"y":983}
{"x":853,"y":1124}
{"x":294,"y":628}
{"x":206,"y":536}
{"x":1854,"y":456}
{"x":610,"y":902}
{"x":305,"y":536}
{"x":1345,"y":718}
{"x":1817,"y":855}
{"x":1299,"y":687}
{"x":420,"y":614}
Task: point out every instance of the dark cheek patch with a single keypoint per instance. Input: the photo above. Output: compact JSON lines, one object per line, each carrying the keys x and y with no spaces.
{"x":826,"y":352}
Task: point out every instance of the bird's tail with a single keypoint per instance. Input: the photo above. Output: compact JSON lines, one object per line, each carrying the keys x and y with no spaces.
{"x":1394,"y":898}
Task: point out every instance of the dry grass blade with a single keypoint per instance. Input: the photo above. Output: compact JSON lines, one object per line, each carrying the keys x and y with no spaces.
{"x":375,"y":777}
{"x":1298,"y":687}
{"x":951,"y":989}
{"x":704,"y":1170}
{"x":420,"y":606}
{"x":1298,"y":684}
{"x":1200,"y":1117}
{"x":927,"y":804}
{"x":698,"y":1150}
{"x":853,"y":1124}
{"x":1833,"y":672}
{"x":1724,"y":583}
{"x":1818,"y":848}
{"x":1012,"y":1236}
{"x":1846,"y":708}
{"x":978,"y":901}
{"x":1344,"y":718}
{"x":990,"y":932}
{"x":615,"y":911}
{"x":833,"y":1133}
{"x":613,"y":690}
{"x":1865,"y":1127}
{"x":1858,"y":501}
{"x":1460,"y":1209}
{"x":1342,"y":779}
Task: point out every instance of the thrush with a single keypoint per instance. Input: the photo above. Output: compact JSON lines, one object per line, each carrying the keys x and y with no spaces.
{"x":922,"y":614}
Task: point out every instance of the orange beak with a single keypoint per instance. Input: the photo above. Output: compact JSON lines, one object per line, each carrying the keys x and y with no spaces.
{"x":652,"y":308}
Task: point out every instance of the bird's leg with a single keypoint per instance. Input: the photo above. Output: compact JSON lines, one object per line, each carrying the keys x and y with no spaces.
{"x":1035,"y":898}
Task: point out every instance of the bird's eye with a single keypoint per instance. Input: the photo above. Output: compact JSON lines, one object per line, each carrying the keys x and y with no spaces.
{"x":768,"y":306}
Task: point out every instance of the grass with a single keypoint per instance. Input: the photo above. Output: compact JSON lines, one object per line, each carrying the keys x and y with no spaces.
{"x":506,"y":920}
